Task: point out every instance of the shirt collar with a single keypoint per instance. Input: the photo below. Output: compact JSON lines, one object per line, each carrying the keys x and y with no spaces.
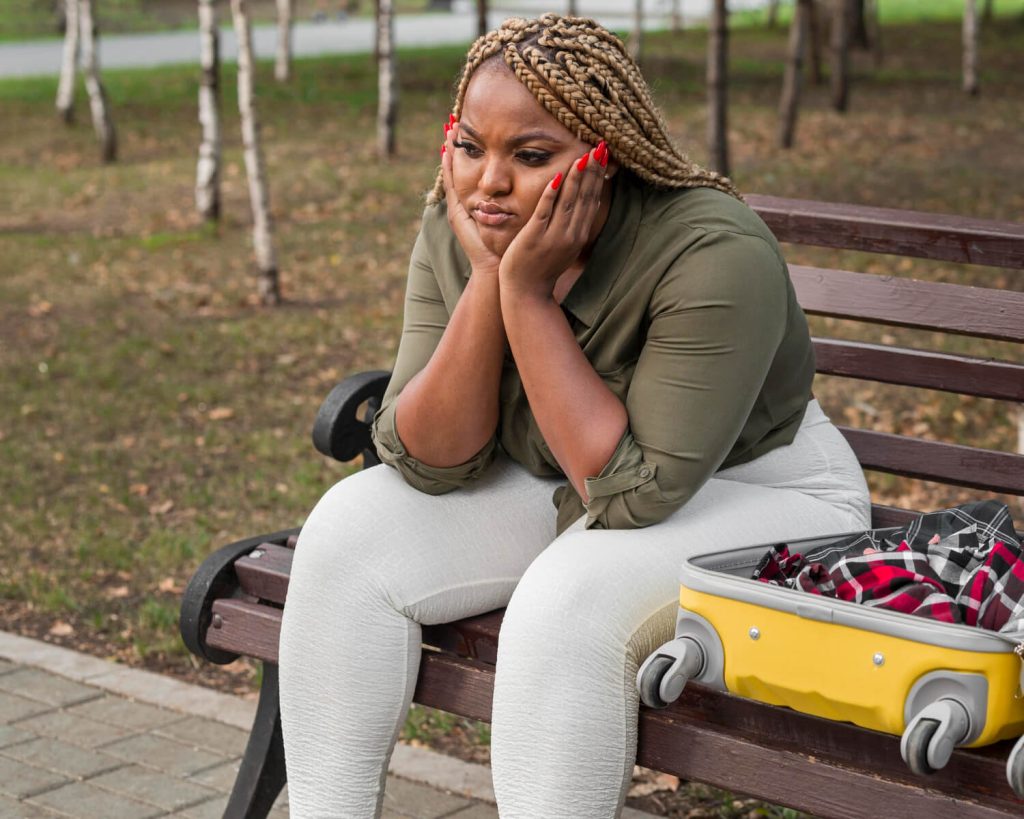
{"x":610,"y":252}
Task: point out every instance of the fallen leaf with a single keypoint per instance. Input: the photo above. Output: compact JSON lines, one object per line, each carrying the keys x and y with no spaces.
{"x":117,"y":592}
{"x":161,"y":508}
{"x":62,"y":629}
{"x":221,"y":413}
{"x":169,"y":584}
{"x":140,"y":489}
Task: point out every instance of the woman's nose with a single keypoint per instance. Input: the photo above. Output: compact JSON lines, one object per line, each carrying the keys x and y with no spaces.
{"x":496,"y":178}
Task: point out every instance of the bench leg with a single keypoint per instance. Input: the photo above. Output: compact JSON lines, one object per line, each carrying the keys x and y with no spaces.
{"x":262,"y":773}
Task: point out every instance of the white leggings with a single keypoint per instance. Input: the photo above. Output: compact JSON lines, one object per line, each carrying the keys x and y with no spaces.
{"x":377,"y":558}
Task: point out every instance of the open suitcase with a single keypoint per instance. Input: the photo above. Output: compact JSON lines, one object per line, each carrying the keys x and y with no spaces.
{"x":939,"y":685}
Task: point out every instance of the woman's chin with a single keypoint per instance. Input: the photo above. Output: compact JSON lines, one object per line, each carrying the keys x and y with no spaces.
{"x":497,"y":241}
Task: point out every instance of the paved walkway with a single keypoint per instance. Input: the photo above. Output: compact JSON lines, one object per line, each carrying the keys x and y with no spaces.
{"x":42,"y":57}
{"x":84,"y":738}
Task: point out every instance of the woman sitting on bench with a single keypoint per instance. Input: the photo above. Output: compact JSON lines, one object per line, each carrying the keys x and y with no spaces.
{"x":593,"y":319}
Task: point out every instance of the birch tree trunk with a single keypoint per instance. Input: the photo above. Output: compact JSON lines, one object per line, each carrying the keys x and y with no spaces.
{"x":208,"y":167}
{"x":387,"y":85}
{"x":841,"y":55}
{"x":789,"y":105}
{"x":970,"y":35}
{"x":98,"y":104}
{"x":718,"y":89}
{"x":267,"y":282}
{"x":636,"y":36}
{"x":68,"y":63}
{"x":481,"y":18}
{"x":283,"y":63}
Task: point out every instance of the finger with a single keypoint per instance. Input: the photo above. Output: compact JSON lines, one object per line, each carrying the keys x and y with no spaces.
{"x":588,"y":192}
{"x":547,"y":205}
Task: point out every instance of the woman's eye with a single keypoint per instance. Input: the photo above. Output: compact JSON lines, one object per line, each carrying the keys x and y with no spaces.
{"x":534,"y":157}
{"x":470,"y":149}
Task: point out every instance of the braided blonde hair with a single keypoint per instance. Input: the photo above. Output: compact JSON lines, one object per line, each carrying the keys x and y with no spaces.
{"x":580,"y":72}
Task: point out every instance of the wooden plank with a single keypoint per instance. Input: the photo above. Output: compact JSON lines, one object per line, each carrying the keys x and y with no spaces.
{"x":938,"y":461}
{"x":952,"y":308}
{"x":698,"y":739}
{"x":245,"y":627}
{"x":265,"y":571}
{"x":984,"y":378}
{"x":474,"y":637}
{"x":888,"y":230}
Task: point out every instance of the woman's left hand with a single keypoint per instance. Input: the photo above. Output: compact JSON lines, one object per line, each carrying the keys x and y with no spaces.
{"x":558,"y":230}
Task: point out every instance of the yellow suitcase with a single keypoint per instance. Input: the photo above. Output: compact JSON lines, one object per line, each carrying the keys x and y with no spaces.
{"x":938,"y":685}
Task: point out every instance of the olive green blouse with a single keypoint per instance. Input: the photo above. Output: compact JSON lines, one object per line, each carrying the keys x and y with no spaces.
{"x":685,"y":309}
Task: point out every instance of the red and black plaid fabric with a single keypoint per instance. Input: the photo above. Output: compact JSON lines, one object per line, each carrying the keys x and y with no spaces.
{"x":960,"y":565}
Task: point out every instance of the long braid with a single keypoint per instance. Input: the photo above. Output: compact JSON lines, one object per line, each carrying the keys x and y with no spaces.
{"x":582,"y":75}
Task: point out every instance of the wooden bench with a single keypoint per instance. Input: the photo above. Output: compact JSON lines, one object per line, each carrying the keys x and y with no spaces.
{"x":234,"y":602}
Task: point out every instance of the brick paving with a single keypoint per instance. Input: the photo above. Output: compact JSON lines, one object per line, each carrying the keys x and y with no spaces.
{"x":73,"y":750}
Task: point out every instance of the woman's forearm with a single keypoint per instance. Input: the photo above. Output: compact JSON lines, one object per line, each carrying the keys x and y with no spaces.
{"x":449,"y":410}
{"x":581,"y":419}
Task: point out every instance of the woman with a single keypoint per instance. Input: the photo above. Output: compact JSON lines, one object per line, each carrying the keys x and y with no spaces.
{"x":591,"y":316}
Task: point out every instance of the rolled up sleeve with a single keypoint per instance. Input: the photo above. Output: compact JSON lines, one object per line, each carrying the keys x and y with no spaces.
{"x":426,"y":317}
{"x":716,"y":320}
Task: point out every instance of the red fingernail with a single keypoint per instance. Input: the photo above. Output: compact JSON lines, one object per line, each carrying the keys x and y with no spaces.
{"x":600,"y":151}
{"x":447,"y":127}
{"x":442,"y":150}
{"x":451,"y":119}
{"x":583,"y":161}
{"x":556,"y":181}
{"x":604,"y":159}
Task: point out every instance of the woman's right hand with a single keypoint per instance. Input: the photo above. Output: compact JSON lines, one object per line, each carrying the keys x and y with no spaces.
{"x":463,"y":225}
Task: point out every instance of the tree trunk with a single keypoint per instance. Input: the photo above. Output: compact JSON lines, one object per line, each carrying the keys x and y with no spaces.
{"x":814,"y":29}
{"x":841,"y":55}
{"x":208,"y":167}
{"x":677,"y":16}
{"x":874,"y":23}
{"x":970,"y":35}
{"x":773,"y":13}
{"x":859,"y":33}
{"x":98,"y":103}
{"x":574,"y":8}
{"x":268,"y":284}
{"x":986,"y":14}
{"x":718,"y":89}
{"x":283,"y":63}
{"x":481,"y":18}
{"x":789,"y":105}
{"x":636,"y":36}
{"x":68,"y":63}
{"x":387,"y":85}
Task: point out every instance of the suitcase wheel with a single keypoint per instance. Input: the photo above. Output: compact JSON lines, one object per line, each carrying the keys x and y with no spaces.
{"x":1015,"y":768}
{"x":664,"y":674}
{"x":929,"y":740}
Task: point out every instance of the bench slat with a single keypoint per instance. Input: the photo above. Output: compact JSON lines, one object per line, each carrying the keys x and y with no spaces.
{"x":920,"y":368}
{"x":901,"y":302}
{"x":702,"y":738}
{"x":266,"y":576}
{"x":245,"y":628}
{"x":937,"y":461}
{"x":886,"y":230}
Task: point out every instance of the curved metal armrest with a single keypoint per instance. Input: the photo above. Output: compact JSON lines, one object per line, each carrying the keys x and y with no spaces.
{"x":337,"y":432}
{"x":215,"y":579}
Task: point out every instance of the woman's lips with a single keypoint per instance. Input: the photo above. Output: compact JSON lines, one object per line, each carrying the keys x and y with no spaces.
{"x":491,"y":216}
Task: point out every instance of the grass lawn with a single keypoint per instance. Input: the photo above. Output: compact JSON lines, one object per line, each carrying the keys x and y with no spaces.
{"x":152,"y":411}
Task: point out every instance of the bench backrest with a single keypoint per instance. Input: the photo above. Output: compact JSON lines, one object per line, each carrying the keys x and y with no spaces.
{"x":980,"y":312}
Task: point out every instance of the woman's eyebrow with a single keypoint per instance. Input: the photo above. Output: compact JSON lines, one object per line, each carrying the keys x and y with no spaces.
{"x":518,"y":139}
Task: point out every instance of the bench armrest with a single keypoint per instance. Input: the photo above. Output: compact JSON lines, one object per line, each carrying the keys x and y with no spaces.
{"x":337,"y":431}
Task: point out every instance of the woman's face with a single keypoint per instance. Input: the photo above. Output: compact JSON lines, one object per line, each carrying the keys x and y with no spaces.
{"x":508,"y":148}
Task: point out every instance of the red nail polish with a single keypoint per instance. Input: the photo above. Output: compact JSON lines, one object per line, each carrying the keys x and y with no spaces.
{"x":601,"y":151}
{"x":447,"y":127}
{"x":556,"y":181}
{"x":451,"y":119}
{"x":442,"y":150}
{"x":604,"y":159}
{"x":583,"y":161}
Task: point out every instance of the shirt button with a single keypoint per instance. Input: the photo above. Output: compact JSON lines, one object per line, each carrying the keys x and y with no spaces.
{"x":645,"y":472}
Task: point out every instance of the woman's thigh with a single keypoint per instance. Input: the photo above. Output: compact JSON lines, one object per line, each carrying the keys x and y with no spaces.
{"x":435,"y":557}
